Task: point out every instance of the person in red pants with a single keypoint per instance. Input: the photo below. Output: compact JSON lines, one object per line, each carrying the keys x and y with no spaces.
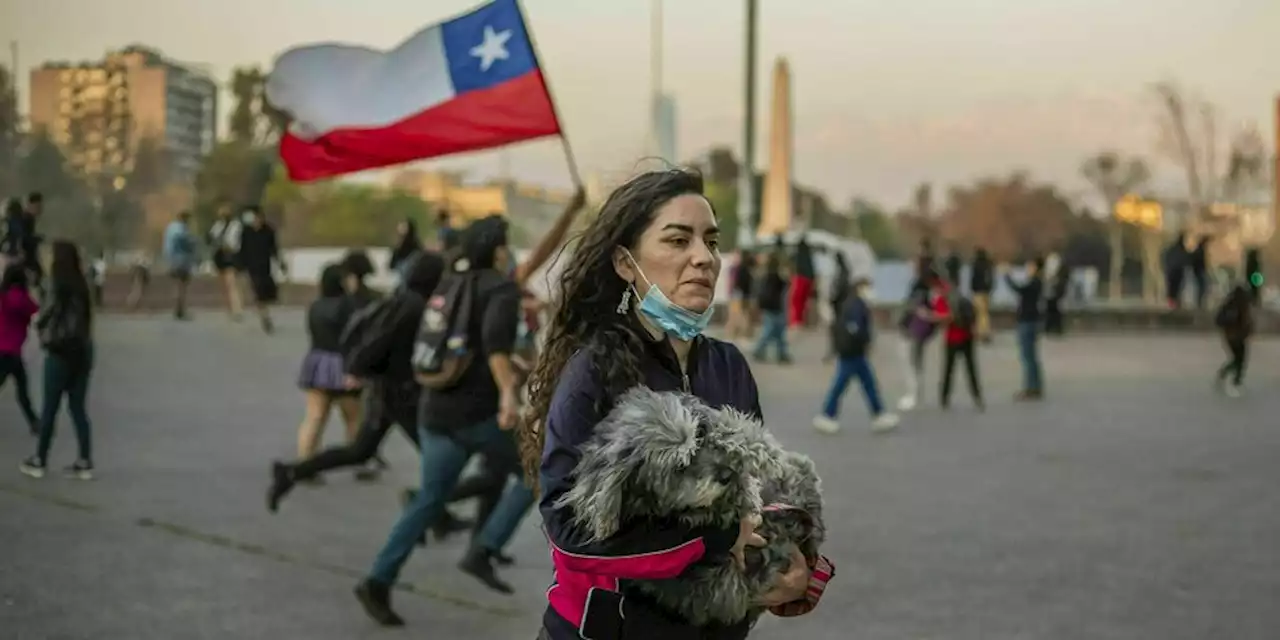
{"x":801,"y":284}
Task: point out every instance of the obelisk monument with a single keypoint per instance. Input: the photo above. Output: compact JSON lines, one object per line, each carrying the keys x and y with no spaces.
{"x":776,"y":205}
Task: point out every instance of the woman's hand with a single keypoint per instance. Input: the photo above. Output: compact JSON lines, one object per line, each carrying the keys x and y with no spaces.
{"x":790,"y":585}
{"x":747,"y":537}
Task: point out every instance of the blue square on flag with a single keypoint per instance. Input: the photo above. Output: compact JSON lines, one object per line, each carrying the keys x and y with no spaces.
{"x":486,"y":47}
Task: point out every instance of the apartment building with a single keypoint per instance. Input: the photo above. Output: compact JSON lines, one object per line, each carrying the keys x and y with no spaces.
{"x":100,"y":112}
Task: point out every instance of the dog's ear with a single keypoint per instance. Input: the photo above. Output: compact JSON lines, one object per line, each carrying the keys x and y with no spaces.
{"x":646,"y":435}
{"x":600,"y":486}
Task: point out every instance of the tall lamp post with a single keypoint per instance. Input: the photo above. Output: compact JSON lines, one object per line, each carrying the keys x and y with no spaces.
{"x":747,"y":217}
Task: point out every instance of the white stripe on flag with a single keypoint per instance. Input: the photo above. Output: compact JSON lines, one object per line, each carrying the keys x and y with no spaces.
{"x":332,"y":86}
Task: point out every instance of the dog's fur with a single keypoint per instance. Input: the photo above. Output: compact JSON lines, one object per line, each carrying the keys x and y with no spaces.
{"x":669,"y":455}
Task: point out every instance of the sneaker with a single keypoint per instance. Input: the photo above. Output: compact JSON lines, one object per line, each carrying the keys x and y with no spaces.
{"x":81,"y":470}
{"x":33,"y":467}
{"x":884,"y":423}
{"x":826,"y":424}
{"x":281,"y":484}
{"x":375,"y":597}
{"x":478,"y":563}
{"x":907,"y":403}
{"x":1233,"y":391}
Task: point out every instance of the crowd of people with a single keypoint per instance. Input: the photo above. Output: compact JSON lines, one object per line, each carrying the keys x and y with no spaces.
{"x":457,"y":356}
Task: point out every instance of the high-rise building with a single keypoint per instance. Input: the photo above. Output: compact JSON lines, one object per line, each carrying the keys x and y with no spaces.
{"x":100,"y":112}
{"x":777,"y":205}
{"x":664,"y":125}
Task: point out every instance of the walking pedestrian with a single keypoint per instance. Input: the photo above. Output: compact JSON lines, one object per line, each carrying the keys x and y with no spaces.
{"x":1028,"y":316}
{"x":16,"y":310}
{"x":1057,"y":277}
{"x":802,"y":283}
{"x":632,"y":308}
{"x":180,"y":253}
{"x":917,"y":326}
{"x":771,"y":298}
{"x":65,"y":325}
{"x":259,"y":256}
{"x":224,"y":240}
{"x":957,"y":313}
{"x":1235,"y":320}
{"x":851,"y":338}
{"x":741,"y":297}
{"x":981,"y":282}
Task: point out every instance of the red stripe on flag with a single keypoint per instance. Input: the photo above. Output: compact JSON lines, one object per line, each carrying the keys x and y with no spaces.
{"x":514,"y":111}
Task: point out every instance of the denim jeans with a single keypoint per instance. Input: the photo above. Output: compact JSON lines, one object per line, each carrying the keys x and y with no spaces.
{"x":66,"y":375}
{"x":444,"y":456}
{"x":773,"y":331}
{"x":846,"y":370}
{"x":1029,"y":352}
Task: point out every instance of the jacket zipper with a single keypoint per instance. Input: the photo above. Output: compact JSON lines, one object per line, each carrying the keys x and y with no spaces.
{"x":685,"y":378}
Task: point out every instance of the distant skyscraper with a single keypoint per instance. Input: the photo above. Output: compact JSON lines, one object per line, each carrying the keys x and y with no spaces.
{"x":777,"y":206}
{"x":664,"y":128}
{"x":98,"y":112}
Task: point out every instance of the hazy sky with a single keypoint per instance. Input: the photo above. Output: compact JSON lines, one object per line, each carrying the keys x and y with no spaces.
{"x":886,"y":94}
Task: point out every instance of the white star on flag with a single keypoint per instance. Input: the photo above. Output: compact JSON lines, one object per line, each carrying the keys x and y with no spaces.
{"x":493,"y":48}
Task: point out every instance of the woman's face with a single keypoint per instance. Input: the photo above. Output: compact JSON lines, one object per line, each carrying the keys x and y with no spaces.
{"x":679,"y":252}
{"x":402,"y":229}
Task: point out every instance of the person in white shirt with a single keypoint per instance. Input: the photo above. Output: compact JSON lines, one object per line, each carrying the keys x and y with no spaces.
{"x":224,"y":241}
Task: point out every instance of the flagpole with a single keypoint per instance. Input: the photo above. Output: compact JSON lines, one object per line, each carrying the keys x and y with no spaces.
{"x":570,"y":159}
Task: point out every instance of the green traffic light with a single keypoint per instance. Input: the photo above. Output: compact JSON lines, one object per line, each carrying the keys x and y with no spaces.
{"x":1255,"y":279}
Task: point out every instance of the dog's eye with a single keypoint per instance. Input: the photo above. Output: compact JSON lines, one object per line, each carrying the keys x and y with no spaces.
{"x":725,"y":475}
{"x":703,"y":429}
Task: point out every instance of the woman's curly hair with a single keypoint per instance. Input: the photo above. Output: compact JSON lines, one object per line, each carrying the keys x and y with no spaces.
{"x":586,"y":299}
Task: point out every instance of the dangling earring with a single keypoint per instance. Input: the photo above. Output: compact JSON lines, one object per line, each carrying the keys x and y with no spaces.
{"x":625,"y":305}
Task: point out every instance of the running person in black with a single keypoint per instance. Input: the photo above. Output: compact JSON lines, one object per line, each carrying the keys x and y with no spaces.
{"x":392,"y":398}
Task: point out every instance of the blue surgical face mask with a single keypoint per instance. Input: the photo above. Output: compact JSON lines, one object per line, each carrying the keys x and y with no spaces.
{"x":673,"y":319}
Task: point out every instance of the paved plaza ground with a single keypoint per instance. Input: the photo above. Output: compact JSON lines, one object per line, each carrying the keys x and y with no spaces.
{"x":1133,"y":504}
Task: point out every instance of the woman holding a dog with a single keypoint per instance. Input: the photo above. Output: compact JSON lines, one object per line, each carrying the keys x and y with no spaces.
{"x":633,"y":304}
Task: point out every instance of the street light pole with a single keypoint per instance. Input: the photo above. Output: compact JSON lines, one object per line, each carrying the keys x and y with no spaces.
{"x":746,"y":175}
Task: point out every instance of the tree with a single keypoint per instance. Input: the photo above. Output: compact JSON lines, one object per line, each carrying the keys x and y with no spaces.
{"x":875,"y":228}
{"x":234,"y":173}
{"x":1011,"y":217}
{"x":723,"y":197}
{"x":42,"y":167}
{"x":1113,"y":177}
{"x":1188,"y":137}
{"x":10,"y":137}
{"x":254,"y":121}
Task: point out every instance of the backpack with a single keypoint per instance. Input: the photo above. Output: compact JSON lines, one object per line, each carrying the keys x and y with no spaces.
{"x":963,"y":315}
{"x":1228,"y":316}
{"x":365,"y":342}
{"x":848,"y":337}
{"x":65,"y":327}
{"x":442,"y":352}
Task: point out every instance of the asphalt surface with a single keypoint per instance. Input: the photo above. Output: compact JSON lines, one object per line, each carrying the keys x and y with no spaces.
{"x":1134,"y":503}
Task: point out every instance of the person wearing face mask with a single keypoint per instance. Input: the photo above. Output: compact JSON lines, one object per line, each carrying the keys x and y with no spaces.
{"x":851,"y":341}
{"x":633,"y":305}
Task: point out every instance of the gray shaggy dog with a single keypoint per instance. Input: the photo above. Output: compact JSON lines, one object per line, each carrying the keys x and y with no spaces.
{"x":670,"y":455}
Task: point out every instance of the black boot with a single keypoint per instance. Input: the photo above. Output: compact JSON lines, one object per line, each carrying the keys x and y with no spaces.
{"x":282,"y":481}
{"x":478,"y":563}
{"x":375,"y":597}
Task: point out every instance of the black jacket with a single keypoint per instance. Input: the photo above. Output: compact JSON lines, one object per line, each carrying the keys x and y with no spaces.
{"x":719,"y":375}
{"x":1029,"y":295}
{"x":981,"y":276}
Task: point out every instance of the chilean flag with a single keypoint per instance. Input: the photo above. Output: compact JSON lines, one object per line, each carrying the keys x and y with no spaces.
{"x":467,"y":84}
